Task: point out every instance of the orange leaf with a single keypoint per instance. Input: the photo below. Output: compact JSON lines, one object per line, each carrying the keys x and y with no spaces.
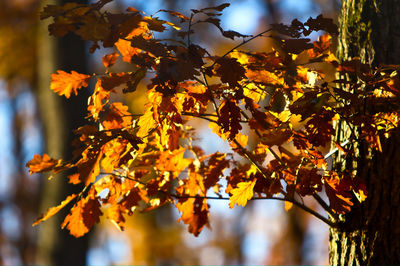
{"x":118,"y":117}
{"x":41,"y":163}
{"x":83,"y":216}
{"x":126,"y":49}
{"x":51,"y":211}
{"x":242,"y":193}
{"x":74,"y":179}
{"x":96,"y":103}
{"x":64,"y":83}
{"x":89,"y":166}
{"x":110,"y":59}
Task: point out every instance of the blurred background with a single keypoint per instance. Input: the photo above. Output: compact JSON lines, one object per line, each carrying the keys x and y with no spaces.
{"x":34,"y":120}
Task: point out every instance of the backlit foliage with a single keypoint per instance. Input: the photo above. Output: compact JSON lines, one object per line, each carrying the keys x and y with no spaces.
{"x":130,"y":162}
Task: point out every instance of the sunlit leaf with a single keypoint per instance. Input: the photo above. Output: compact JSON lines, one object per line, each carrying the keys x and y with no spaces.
{"x":242,"y":194}
{"x":66,"y":84}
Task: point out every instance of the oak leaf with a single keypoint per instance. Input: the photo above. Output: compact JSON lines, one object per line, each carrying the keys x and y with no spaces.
{"x":194,"y":213}
{"x":83,"y":216}
{"x":242,"y":193}
{"x":230,"y":71}
{"x":146,"y":123}
{"x":117,"y":117}
{"x":126,"y":50}
{"x":66,"y":84}
{"x":338,"y":191}
{"x":41,"y":163}
{"x":216,"y":165}
{"x":229,"y":118}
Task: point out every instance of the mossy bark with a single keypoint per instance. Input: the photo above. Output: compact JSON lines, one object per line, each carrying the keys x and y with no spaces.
{"x":370,"y":233}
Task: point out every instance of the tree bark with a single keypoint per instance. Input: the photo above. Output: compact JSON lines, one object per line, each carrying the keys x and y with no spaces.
{"x":59,"y":117}
{"x":370,"y":233}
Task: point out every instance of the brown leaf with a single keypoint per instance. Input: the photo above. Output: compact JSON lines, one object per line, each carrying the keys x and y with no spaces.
{"x":230,"y":71}
{"x":229,"y":119}
{"x":273,"y":137}
{"x":175,"y":14}
{"x":338,"y":191}
{"x":216,"y":165}
{"x":194,"y":213}
{"x":93,"y":28}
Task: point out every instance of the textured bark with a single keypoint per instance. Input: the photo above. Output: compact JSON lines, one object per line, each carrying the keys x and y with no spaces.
{"x":59,"y":117}
{"x":370,"y":233}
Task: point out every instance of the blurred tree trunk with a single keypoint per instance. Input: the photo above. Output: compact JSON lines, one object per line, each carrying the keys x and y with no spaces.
{"x":370,"y":234}
{"x":59,"y":117}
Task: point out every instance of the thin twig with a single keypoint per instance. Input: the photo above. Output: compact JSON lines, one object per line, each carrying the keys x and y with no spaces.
{"x":242,"y":43}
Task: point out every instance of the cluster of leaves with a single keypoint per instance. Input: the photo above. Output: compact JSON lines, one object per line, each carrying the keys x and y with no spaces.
{"x":142,"y":161}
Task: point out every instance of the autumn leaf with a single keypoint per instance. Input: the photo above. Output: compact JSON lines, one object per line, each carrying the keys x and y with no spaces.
{"x":194,"y":213}
{"x":173,"y":161}
{"x":126,"y":49}
{"x":176,"y":14}
{"x":89,"y":166}
{"x":93,"y":28}
{"x":74,"y":179}
{"x":288,"y":205}
{"x":130,"y":200}
{"x":52,"y":211}
{"x":338,"y":191}
{"x":83,"y":216}
{"x":110,"y":59}
{"x":98,"y":100}
{"x":118,"y":117}
{"x":66,"y":84}
{"x":273,"y":137}
{"x":41,"y":163}
{"x":146,"y":123}
{"x":230,"y":71}
{"x":242,"y":193}
{"x":115,"y":215}
{"x":229,"y":118}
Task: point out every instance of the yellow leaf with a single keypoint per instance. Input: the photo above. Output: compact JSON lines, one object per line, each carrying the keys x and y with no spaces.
{"x":242,"y":193}
{"x":288,"y":205}
{"x":146,"y":124}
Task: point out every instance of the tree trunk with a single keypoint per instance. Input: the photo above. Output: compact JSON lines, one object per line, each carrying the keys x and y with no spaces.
{"x":370,"y":233}
{"x":59,"y":117}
